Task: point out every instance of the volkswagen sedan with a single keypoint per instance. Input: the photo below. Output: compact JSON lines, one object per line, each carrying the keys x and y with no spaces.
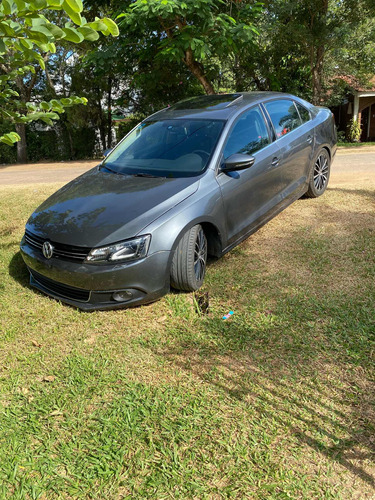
{"x":191,"y":180}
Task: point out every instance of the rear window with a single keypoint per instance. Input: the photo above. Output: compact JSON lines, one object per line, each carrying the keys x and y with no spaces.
{"x":284,"y":116}
{"x":303,"y":112}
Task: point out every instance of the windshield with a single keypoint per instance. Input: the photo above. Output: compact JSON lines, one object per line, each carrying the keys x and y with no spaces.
{"x":168,"y":148}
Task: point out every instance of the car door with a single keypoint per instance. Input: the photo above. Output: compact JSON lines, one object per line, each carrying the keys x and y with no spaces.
{"x":249,"y":194}
{"x":295,"y":138}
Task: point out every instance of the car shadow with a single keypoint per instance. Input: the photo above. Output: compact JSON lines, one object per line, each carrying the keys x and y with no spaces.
{"x":18,"y":270}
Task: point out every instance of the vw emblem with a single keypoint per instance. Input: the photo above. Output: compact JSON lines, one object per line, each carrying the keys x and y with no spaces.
{"x":47,"y":249}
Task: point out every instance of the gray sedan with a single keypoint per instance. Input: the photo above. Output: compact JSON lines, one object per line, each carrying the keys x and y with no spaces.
{"x":192,"y":180}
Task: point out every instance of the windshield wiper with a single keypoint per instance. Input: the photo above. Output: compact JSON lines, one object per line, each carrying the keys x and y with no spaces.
{"x":139,"y":174}
{"x":104,"y":167}
{"x":147,"y":175}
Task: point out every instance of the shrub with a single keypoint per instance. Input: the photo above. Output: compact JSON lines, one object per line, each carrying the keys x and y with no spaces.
{"x":58,"y":143}
{"x":354,"y":131}
{"x":341,"y":136}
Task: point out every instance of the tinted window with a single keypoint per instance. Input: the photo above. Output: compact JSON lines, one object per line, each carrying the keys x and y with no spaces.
{"x":284,"y":116}
{"x":248,"y":135}
{"x":166,"y":148}
{"x":303,"y":113}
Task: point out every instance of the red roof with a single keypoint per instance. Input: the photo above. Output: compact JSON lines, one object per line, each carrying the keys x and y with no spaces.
{"x":355,"y":84}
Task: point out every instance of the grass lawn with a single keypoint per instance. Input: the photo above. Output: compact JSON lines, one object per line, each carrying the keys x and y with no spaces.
{"x":162,"y":402}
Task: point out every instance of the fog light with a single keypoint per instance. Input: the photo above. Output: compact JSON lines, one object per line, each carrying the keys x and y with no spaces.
{"x":122,"y":296}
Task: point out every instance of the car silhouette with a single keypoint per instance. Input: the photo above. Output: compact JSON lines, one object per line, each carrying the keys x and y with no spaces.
{"x":192,"y":180}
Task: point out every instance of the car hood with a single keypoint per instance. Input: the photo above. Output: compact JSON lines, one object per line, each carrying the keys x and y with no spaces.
{"x":99,"y":208}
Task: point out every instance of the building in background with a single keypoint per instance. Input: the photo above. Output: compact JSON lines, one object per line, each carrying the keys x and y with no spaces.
{"x":359,"y":104}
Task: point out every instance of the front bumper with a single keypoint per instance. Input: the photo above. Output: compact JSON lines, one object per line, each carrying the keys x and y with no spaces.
{"x":92,"y":286}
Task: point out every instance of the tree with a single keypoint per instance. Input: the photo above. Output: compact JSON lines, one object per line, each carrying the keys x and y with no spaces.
{"x":28,"y":35}
{"x":192,"y":31}
{"x":307,"y":39}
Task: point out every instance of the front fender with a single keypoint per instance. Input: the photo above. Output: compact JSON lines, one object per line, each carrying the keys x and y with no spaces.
{"x":203,"y":207}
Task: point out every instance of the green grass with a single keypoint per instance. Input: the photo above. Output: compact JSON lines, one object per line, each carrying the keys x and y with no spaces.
{"x":162,"y":402}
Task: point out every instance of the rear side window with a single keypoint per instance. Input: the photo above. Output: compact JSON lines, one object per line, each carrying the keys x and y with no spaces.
{"x":284,"y":116}
{"x":303,"y":113}
{"x":248,"y":135}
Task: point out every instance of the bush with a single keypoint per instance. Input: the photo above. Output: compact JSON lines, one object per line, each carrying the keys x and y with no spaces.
{"x":354,"y":131}
{"x":8,"y":154}
{"x":60,"y":143}
{"x":44,"y":145}
{"x":341,"y":136}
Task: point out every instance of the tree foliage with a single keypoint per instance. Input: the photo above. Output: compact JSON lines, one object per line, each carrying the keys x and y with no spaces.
{"x":193,"y":31}
{"x":28,"y":35}
{"x":167,"y":50}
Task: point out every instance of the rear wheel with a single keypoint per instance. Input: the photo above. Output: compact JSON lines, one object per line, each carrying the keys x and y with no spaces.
{"x":189,"y":260}
{"x":319,"y":176}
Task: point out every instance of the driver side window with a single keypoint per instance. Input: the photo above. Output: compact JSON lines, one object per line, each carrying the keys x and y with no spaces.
{"x":248,"y":135}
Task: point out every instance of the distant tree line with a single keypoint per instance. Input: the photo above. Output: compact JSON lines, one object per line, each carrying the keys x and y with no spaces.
{"x":62,"y":82}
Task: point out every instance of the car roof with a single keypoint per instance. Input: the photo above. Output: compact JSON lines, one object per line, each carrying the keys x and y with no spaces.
{"x":214,"y":107}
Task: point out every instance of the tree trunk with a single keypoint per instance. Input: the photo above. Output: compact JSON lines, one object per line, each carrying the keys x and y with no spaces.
{"x":71,"y":147}
{"x":238,"y":75}
{"x":109,"y":117}
{"x":21,"y":145}
{"x":102,"y":134}
{"x":101,"y":120}
{"x":25,"y":96}
{"x":318,"y":45}
{"x":317,"y":76}
{"x":197,"y":70}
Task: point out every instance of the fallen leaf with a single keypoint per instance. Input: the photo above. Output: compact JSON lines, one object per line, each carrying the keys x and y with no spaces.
{"x":162,"y":319}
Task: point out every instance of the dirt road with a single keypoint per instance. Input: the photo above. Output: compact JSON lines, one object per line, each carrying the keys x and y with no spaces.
{"x":44,"y":173}
{"x":349,"y":164}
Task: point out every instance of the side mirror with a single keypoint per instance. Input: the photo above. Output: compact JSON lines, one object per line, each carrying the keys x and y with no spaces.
{"x":237,"y":162}
{"x":106,"y":152}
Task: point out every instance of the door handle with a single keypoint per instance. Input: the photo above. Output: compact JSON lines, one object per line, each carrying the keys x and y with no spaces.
{"x":275,"y":161}
{"x":309,"y":139}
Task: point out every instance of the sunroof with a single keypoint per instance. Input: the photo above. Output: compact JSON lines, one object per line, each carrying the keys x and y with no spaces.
{"x":207,"y":102}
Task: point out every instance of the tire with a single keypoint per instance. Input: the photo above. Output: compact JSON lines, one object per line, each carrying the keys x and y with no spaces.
{"x":189,"y":260}
{"x":319,"y":175}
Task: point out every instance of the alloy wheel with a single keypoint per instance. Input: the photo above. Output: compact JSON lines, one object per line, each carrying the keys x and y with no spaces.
{"x":321,"y":168}
{"x":200,"y":255}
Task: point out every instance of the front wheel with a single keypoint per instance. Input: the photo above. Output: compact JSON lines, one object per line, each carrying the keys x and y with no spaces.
{"x":189,"y":260}
{"x":319,"y":176}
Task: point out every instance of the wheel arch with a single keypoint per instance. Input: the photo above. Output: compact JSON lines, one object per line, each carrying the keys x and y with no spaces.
{"x":214,"y":241}
{"x":213,"y":236}
{"x":212,"y":232}
{"x":328,"y":151}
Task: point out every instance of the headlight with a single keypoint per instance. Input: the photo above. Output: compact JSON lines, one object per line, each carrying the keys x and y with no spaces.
{"x":124,"y":251}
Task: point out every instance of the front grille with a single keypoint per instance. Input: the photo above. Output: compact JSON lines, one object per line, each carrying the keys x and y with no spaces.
{"x":59,"y":289}
{"x":60,"y":250}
